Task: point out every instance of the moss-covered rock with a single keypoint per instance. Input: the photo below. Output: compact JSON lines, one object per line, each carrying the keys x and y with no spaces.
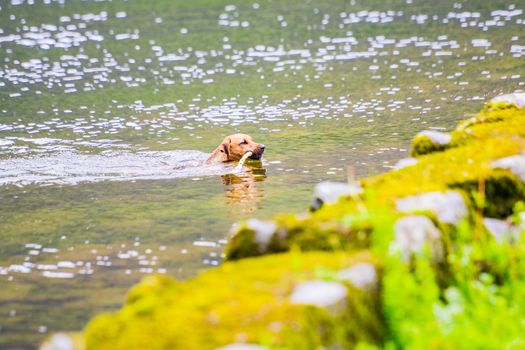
{"x":500,"y":191}
{"x":315,"y":232}
{"x":328,"y":192}
{"x":247,"y":301}
{"x":429,"y":141}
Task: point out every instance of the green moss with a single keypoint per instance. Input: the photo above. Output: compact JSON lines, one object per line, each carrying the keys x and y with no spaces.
{"x":438,"y":171}
{"x":491,"y":113}
{"x":243,"y":244}
{"x":246,"y":300}
{"x":494,"y":121}
{"x":422,"y":144}
{"x":145,"y":296}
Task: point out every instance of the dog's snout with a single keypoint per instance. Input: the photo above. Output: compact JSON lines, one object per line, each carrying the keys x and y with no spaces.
{"x":262,"y":147}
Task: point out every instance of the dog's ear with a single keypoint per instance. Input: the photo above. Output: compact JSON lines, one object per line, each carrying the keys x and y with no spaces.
{"x":221,"y":153}
{"x":224,"y":149}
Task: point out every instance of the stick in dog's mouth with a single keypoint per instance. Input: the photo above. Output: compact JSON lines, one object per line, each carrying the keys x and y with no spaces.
{"x":242,"y":160}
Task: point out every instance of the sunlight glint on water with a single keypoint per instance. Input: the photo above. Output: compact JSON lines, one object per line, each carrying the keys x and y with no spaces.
{"x":105,"y":106}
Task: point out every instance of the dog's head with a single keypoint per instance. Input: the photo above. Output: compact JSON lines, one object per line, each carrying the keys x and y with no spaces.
{"x":235,"y":146}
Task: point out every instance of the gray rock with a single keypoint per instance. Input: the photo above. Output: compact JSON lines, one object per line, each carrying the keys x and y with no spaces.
{"x":59,"y":341}
{"x":319,"y":293}
{"x":361,"y":275}
{"x":405,"y":162}
{"x":330,"y":192}
{"x":264,"y":230}
{"x":412,"y":233}
{"x":437,"y":137}
{"x":449,"y":206}
{"x":517,"y":98}
{"x":501,"y":230}
{"x":516,"y":164}
{"x":242,"y":346}
{"x":497,"y":228}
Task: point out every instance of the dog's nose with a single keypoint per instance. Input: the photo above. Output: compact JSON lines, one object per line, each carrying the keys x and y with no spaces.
{"x":261,"y":146}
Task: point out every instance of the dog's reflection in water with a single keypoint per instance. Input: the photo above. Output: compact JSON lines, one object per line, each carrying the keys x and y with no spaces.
{"x":243,"y":191}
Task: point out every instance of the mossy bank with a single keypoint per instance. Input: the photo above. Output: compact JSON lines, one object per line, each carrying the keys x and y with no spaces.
{"x":427,"y":256}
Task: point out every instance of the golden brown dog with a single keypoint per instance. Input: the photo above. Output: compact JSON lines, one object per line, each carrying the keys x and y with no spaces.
{"x":233,"y":147}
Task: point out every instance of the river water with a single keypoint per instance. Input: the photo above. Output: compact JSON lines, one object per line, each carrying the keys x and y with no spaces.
{"x":107,"y":109}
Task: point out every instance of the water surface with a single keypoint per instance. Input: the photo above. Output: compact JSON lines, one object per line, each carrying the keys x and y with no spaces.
{"x":105,"y":105}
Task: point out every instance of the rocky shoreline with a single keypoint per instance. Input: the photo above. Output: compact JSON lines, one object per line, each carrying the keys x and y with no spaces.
{"x":428,"y":255}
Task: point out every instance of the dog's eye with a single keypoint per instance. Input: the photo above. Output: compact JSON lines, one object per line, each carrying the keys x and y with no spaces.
{"x":243,"y":142}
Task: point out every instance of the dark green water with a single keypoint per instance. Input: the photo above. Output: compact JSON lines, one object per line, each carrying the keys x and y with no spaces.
{"x":323,"y":84}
